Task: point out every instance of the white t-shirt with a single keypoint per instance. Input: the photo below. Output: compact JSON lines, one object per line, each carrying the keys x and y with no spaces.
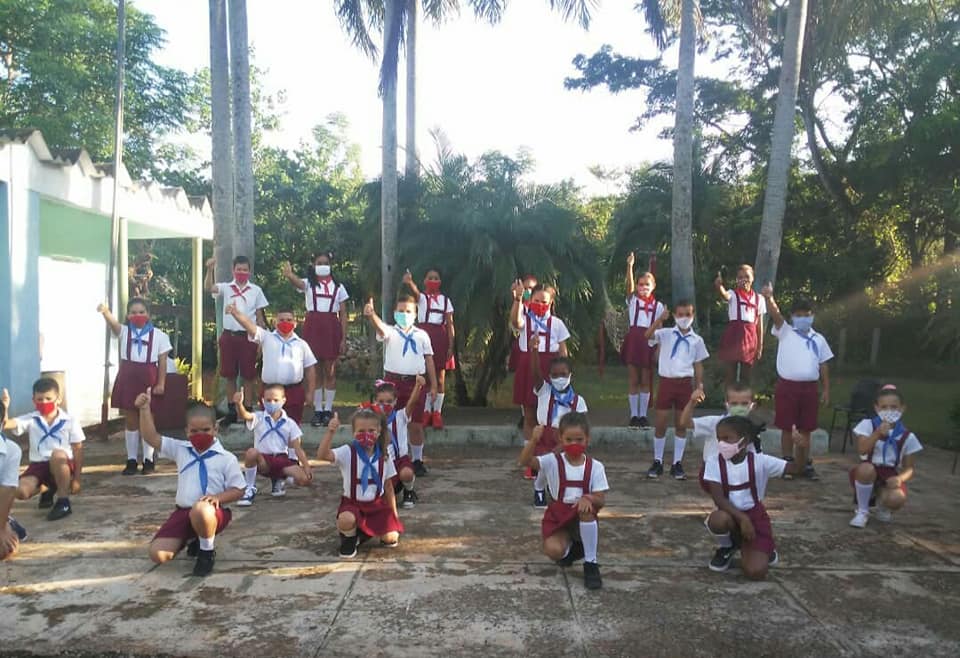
{"x":325,"y":297}
{"x":797,"y":360}
{"x":10,"y":454}
{"x":748,"y":311}
{"x":273,"y":437}
{"x":394,"y":343}
{"x":223,"y":470}
{"x":647,"y":312}
{"x":438,"y":309}
{"x":549,"y":467}
{"x":678,"y":363}
{"x":284,"y":359}
{"x":366,"y":494}
{"x":400,"y":421}
{"x":138,"y":345}
{"x":765,"y":467}
{"x":558,"y":332}
{"x":910,"y":445}
{"x":544,"y":394}
{"x":44,"y":439}
{"x":706,"y":426}
{"x":248,"y":298}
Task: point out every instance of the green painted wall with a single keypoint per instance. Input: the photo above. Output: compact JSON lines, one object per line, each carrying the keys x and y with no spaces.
{"x":68,"y":231}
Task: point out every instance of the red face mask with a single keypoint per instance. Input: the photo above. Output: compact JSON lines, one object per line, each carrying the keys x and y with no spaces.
{"x":285,"y":327}
{"x":366,"y":438}
{"x":241,"y":277}
{"x":386,"y":409}
{"x":45,"y":408}
{"x":201,"y":442}
{"x":539,"y":308}
{"x":433,"y":286}
{"x":138,"y":321}
{"x":575,"y":450}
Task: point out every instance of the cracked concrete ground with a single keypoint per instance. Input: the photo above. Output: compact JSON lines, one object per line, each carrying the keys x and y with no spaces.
{"x":468,"y":577}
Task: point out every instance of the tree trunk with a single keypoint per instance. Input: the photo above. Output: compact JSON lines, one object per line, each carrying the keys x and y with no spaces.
{"x":681,"y":245}
{"x":781,"y":143}
{"x":243,"y":239}
{"x":221,"y":155}
{"x":389,"y":191}
{"x":412,"y":169}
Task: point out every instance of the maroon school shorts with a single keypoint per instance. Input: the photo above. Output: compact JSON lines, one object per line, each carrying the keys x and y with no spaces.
{"x":238,"y":355}
{"x":674,"y":393}
{"x":41,"y":471}
{"x":276,"y":464}
{"x":178,"y":526}
{"x":796,"y":403}
{"x":404,"y":385}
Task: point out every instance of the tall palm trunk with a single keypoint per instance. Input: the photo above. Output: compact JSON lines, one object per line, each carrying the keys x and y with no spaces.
{"x":681,"y":245}
{"x":222,"y":156}
{"x":412,"y":168}
{"x":388,"y":197}
{"x":242,"y":135}
{"x":781,"y":142}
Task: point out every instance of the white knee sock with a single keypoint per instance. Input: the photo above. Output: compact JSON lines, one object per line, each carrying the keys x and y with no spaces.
{"x":251,"y":476}
{"x":148,"y":451}
{"x":634,"y":399}
{"x":330,"y":394}
{"x":206,"y":543}
{"x":679,"y":443}
{"x":438,"y":402}
{"x":644,"y":403}
{"x":724,"y":540}
{"x":416,"y":452}
{"x":318,"y":399}
{"x":132,"y":438}
{"x":540,"y":482}
{"x":590,"y":536}
{"x":864,"y":492}
{"x":658,"y":445}
{"x":428,"y":403}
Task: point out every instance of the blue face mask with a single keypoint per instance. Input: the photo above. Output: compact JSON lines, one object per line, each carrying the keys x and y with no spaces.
{"x":272,"y":407}
{"x":403,"y":319}
{"x":802,"y":323}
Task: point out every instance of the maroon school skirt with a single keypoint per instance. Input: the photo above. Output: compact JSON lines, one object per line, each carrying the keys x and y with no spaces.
{"x":548,"y":441}
{"x":41,"y":471}
{"x":133,"y":378}
{"x":636,"y":350}
{"x":559,"y":516}
{"x":796,"y":403}
{"x":404,"y":389}
{"x":739,"y":342}
{"x":323,"y":333}
{"x":884,"y":473}
{"x":440,"y":342}
{"x":514,"y":355}
{"x":374,"y":519}
{"x":178,"y":526}
{"x":522,"y":384}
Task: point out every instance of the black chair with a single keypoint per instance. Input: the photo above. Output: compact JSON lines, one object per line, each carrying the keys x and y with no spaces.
{"x":862,"y":398}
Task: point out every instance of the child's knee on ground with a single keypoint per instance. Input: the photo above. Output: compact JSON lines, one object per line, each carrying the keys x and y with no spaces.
{"x":163,"y":550}
{"x":390,"y":537}
{"x":892,"y":497}
{"x":555,"y":546}
{"x":754,"y":564}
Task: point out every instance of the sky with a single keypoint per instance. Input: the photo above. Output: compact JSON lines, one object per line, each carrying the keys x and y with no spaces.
{"x":498,"y":87}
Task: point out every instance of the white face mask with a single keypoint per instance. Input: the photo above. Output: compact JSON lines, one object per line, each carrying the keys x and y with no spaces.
{"x":322,"y":270}
{"x":560,"y":383}
{"x":890,"y":416}
{"x":684,"y":323}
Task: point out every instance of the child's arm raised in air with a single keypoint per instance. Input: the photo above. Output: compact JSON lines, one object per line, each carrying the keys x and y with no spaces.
{"x":686,"y":416}
{"x":288,"y":274}
{"x":115,"y":326}
{"x":527,"y":458}
{"x":148,"y":431}
{"x":6,"y":423}
{"x":371,"y":314}
{"x":723,"y":292}
{"x":161,"y":384}
{"x":323,"y":451}
{"x":208,"y":282}
{"x":414,"y":396}
{"x":656,"y":324}
{"x":631,"y":283}
{"x":242,"y":412}
{"x":407,"y":280}
{"x":772,"y":308}
{"x":244,"y":321}
{"x":516,"y":311}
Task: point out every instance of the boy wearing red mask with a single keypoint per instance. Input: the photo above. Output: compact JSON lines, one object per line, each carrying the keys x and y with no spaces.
{"x":56,"y":449}
{"x":238,"y":356}
{"x":208,"y":478}
{"x":143,"y":364}
{"x":578,"y":486}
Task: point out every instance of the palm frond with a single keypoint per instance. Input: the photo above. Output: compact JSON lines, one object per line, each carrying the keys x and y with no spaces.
{"x":489,"y":10}
{"x":657,"y":24}
{"x":438,"y":11}
{"x":575,"y":9}
{"x":353,"y":16}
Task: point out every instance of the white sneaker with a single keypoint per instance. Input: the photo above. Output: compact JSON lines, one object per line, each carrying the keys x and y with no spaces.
{"x":279,"y":488}
{"x":860,"y":519}
{"x":882,"y":514}
{"x":248,"y":495}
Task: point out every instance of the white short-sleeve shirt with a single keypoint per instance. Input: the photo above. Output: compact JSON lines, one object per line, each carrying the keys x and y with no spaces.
{"x":10,"y":454}
{"x":399,"y":444}
{"x":135,"y":344}
{"x":548,"y":466}
{"x":366,"y":494}
{"x":544,"y":393}
{"x":284,"y":359}
{"x":325,"y":297}
{"x":558,"y":331}
{"x":643,"y":313}
{"x":911,"y":445}
{"x":748,"y":308}
{"x":273,"y":437}
{"x":678,"y":363}
{"x":765,"y":467}
{"x":223,"y":470}
{"x":797,"y":358}
{"x":249,"y":299}
{"x":433,"y":309}
{"x":395,"y":342}
{"x":62,"y":434}
{"x":706,"y":426}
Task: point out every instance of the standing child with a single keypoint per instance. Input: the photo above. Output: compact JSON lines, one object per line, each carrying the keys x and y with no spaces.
{"x":682,"y":353}
{"x":642,"y":311}
{"x":407,"y":352}
{"x":238,"y":356}
{"x":208,"y":478}
{"x":143,"y":364}
{"x":888,"y":451}
{"x":578,"y":486}
{"x":737,"y":481}
{"x":56,"y":449}
{"x":325,"y":328}
{"x":742,"y":341}
{"x":368,"y":507}
{"x":435,"y":316}
{"x":11,"y":532}
{"x":802,"y":356}
{"x":398,"y":420}
{"x":274,"y":436}
{"x":529,"y":283}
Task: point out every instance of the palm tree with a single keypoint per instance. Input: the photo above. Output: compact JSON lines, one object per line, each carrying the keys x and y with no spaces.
{"x":243,"y":241}
{"x":412,"y":169}
{"x":222,"y":156}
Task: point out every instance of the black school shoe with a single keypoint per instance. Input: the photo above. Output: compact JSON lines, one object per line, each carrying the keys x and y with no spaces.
{"x":204,"y":565}
{"x":348,"y":546}
{"x":576,"y":553}
{"x":419,"y":469}
{"x":591,"y":575}
{"x":46,"y":498}
{"x":722,"y":558}
{"x":644,"y":423}
{"x":231,"y":416}
{"x":130,"y":468}
{"x":676,"y":472}
{"x":60,"y":509}
{"x":20,"y":531}
{"x":655,"y":470}
{"x":634,"y":422}
{"x":317,"y":420}
{"x":148,"y":467}
{"x":410,"y":499}
{"x":193,"y":548}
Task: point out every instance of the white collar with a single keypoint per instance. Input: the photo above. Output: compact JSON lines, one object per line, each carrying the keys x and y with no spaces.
{"x":61,"y":415}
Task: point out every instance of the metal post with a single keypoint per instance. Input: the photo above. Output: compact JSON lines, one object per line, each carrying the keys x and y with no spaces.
{"x":196,"y":325}
{"x":123,"y":265}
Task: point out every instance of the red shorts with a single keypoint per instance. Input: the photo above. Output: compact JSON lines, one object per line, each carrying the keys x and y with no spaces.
{"x":41,"y":471}
{"x":296,"y":398}
{"x":884,"y":473}
{"x":674,"y":393}
{"x":404,"y":389}
{"x":132,"y":379}
{"x":739,"y":343}
{"x":374,"y":519}
{"x":522,"y":384}
{"x":549,"y":441}
{"x":636,"y":350}
{"x":559,"y":516}
{"x":275,"y":466}
{"x":238,"y":355}
{"x":440,"y":341}
{"x":763,"y":541}
{"x":796,"y":403}
{"x":178,"y":526}
{"x":323,"y":333}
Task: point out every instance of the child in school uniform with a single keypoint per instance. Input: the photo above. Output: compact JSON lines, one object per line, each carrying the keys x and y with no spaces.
{"x":208,"y":479}
{"x":642,"y":311}
{"x":238,"y":356}
{"x":274,"y":435}
{"x":144,"y":351}
{"x":888,"y":453}
{"x":578,"y":486}
{"x":368,"y":507}
{"x":11,"y":532}
{"x":742,"y":341}
{"x":737,"y":480}
{"x":407,"y":352}
{"x":802,"y":356}
{"x":325,"y":328}
{"x":56,"y":449}
{"x":435,"y":316}
{"x":680,"y":366}
{"x":398,"y":420}
{"x":555,"y":399}
{"x":529,"y":283}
